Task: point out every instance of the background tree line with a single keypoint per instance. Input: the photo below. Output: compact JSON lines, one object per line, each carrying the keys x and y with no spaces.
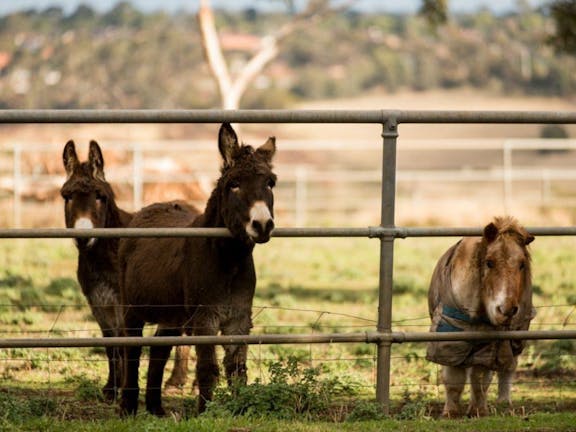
{"x":125,"y":58}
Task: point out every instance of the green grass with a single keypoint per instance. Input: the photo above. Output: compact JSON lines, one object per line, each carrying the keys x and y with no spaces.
{"x":534,"y":423}
{"x":304,"y":286}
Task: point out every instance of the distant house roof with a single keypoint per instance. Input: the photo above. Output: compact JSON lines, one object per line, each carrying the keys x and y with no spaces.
{"x":240,"y":42}
{"x":5,"y":59}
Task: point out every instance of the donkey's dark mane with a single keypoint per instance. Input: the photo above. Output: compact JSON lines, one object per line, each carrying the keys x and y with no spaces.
{"x":248,"y":163}
{"x":87,"y":185}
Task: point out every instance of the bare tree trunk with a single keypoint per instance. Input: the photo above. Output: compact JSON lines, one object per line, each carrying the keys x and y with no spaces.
{"x":213,"y":53}
{"x":232,"y":90}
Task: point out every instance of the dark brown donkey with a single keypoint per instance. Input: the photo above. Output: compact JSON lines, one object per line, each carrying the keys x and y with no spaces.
{"x":89,"y":203}
{"x":205,"y":285}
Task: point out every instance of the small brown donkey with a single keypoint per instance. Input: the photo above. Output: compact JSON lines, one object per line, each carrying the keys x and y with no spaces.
{"x":205,"y":285}
{"x":481,"y":284}
{"x":89,"y":203}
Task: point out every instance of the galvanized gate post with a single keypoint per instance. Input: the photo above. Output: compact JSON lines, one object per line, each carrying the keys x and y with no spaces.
{"x":389,"y":134}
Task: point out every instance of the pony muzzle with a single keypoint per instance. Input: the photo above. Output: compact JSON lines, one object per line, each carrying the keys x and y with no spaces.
{"x":504,"y":312}
{"x":508,"y":312}
{"x":261,"y":223}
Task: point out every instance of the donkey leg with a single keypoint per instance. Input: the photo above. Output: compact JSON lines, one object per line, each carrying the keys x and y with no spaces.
{"x":114,"y":382}
{"x":505,"y":378}
{"x":179,"y":374}
{"x":236,"y":355}
{"x":480,"y":379}
{"x":207,"y":371}
{"x":158,"y":358}
{"x":131,"y":363}
{"x":454,"y":380}
{"x":107,"y":318}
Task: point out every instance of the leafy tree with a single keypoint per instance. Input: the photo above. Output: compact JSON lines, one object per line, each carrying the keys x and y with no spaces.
{"x":564,"y":14}
{"x":435,"y":11}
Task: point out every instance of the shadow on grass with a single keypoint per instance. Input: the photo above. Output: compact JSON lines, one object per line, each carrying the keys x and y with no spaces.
{"x":335,"y":294}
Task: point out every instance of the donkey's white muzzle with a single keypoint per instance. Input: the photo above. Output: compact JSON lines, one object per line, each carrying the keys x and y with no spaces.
{"x":261,"y":223}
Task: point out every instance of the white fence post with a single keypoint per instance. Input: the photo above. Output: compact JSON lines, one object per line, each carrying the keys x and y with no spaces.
{"x":507,"y":167}
{"x":301,"y":199}
{"x":137,"y":177}
{"x":17,"y":184}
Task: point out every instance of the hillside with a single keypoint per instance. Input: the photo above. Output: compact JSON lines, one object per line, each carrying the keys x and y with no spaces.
{"x":125,"y":58}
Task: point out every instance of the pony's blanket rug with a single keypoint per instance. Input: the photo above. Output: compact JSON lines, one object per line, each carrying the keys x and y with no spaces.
{"x":494,"y":355}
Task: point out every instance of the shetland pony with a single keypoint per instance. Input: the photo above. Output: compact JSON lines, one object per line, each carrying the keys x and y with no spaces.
{"x":481,"y":284}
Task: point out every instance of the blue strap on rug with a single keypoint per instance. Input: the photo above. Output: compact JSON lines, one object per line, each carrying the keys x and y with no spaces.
{"x":456,"y":314}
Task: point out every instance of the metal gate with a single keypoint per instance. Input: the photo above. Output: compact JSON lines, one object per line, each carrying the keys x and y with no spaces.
{"x":387,"y":232}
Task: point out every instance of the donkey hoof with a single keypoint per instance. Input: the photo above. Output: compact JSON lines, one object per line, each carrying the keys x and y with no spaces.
{"x":158,"y":411}
{"x":128,"y":408}
{"x":109,"y":394}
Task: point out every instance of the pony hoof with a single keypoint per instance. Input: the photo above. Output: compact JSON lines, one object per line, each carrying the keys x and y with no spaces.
{"x":477,"y":412}
{"x":450,"y":414}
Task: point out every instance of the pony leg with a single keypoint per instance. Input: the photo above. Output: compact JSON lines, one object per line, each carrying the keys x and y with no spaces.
{"x":180,"y":371}
{"x":130,"y":389}
{"x":454,"y":380}
{"x":236,"y":355}
{"x":480,"y":379}
{"x":505,"y":378}
{"x":158,"y":358}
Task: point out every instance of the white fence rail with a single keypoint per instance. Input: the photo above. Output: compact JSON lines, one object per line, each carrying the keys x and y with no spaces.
{"x":303,"y":192}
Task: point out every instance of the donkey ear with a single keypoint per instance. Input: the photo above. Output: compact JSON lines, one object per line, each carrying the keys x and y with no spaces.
{"x":96,"y":160}
{"x":69,"y":158}
{"x":268,"y":149}
{"x":490,"y":232}
{"x":227,"y":143}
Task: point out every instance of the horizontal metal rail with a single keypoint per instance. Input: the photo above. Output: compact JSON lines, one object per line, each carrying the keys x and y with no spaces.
{"x":363,"y":337}
{"x":369,"y":232}
{"x":283,"y":116}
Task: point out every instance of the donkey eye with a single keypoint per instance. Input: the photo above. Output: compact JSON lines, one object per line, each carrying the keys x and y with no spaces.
{"x":522,"y":265}
{"x":489,"y":264}
{"x":234,"y":186}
